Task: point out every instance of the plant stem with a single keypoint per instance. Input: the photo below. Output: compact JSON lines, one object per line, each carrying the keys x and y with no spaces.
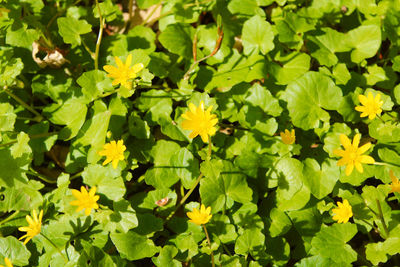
{"x":39,"y":117}
{"x":54,"y":245}
{"x":183,"y":200}
{"x":130,"y":10}
{"x":30,"y":137}
{"x":146,"y":20}
{"x":209,"y":244}
{"x":9,"y":217}
{"x":380,"y":214}
{"x":96,"y":53}
{"x":209,"y":148}
{"x":386,"y":164}
{"x":40,"y":176}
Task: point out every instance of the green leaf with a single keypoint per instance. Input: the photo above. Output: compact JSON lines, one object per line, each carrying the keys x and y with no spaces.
{"x":307,"y":98}
{"x":54,"y":84}
{"x":141,"y":37}
{"x":327,"y":45}
{"x":166,"y":257}
{"x":13,"y":249}
{"x":291,"y":70}
{"x":250,"y":242}
{"x":318,"y":260}
{"x":163,"y":174}
{"x":377,"y":252}
{"x":230,"y":185}
{"x":341,"y":73}
{"x":332,"y":241}
{"x":21,"y":198}
{"x":365,"y":42}
{"x":71,"y":29}
{"x":185,"y":167}
{"x":10,"y":67}
{"x":12,"y":170}
{"x":157,"y":104}
{"x":106,"y":179}
{"x":280,"y":222}
{"x":259,"y":96}
{"x":22,"y":37}
{"x":72,"y":113}
{"x":94,"y":131}
{"x":320,"y":179}
{"x":133,"y":246}
{"x":257,"y":35}
{"x":177,"y":39}
{"x":94,"y":83}
{"x":7,"y":117}
{"x":385,"y":132}
{"x":21,"y":147}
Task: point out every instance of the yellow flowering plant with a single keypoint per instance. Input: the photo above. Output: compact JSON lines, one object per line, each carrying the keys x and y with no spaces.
{"x":85,"y":200}
{"x":138,"y":126}
{"x":343,"y":212}
{"x":200,"y":121}
{"x":370,"y":106}
{"x":123,"y":74}
{"x":352,"y":154}
{"x":34,"y":227}
{"x":288,"y":137}
{"x":114,"y":152}
{"x":7,"y":263}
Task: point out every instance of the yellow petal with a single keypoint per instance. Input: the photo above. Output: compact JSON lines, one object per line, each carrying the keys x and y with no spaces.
{"x":345,"y":141}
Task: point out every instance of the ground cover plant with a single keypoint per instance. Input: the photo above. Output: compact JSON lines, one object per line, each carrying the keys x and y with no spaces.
{"x":199,"y":133}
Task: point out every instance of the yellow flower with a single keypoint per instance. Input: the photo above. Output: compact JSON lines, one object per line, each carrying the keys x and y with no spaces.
{"x":351,"y":155}
{"x":114,"y":151}
{"x":123,"y":72}
{"x":8,"y":263}
{"x":85,"y":200}
{"x":288,"y":137}
{"x":199,"y":121}
{"x":200,"y":217}
{"x":343,"y":213}
{"x":370,"y":106}
{"x":395,"y":183}
{"x":35,"y":225}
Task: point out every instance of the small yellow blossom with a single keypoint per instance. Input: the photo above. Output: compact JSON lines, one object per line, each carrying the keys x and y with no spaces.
{"x":34,"y":228}
{"x":370,"y":106}
{"x":85,"y":200}
{"x":124,"y":72}
{"x":395,"y":183}
{"x":288,"y":138}
{"x":352,"y":154}
{"x":200,"y":217}
{"x":8,"y":263}
{"x":343,"y":213}
{"x":114,"y":151}
{"x":199,"y":121}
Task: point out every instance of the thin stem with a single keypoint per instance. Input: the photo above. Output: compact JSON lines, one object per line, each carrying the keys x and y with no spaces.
{"x":96,"y":53}
{"x":54,"y":245}
{"x":379,"y":117}
{"x":386,"y":164}
{"x":370,"y":224}
{"x":216,"y":49}
{"x":209,"y":148}
{"x":130,"y":10}
{"x":209,"y":244}
{"x":146,"y":20}
{"x":183,"y":200}
{"x":9,"y":217}
{"x":380,"y":214}
{"x":34,"y":136}
{"x":25,"y":105}
{"x":40,"y":176}
{"x":76,"y":175}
